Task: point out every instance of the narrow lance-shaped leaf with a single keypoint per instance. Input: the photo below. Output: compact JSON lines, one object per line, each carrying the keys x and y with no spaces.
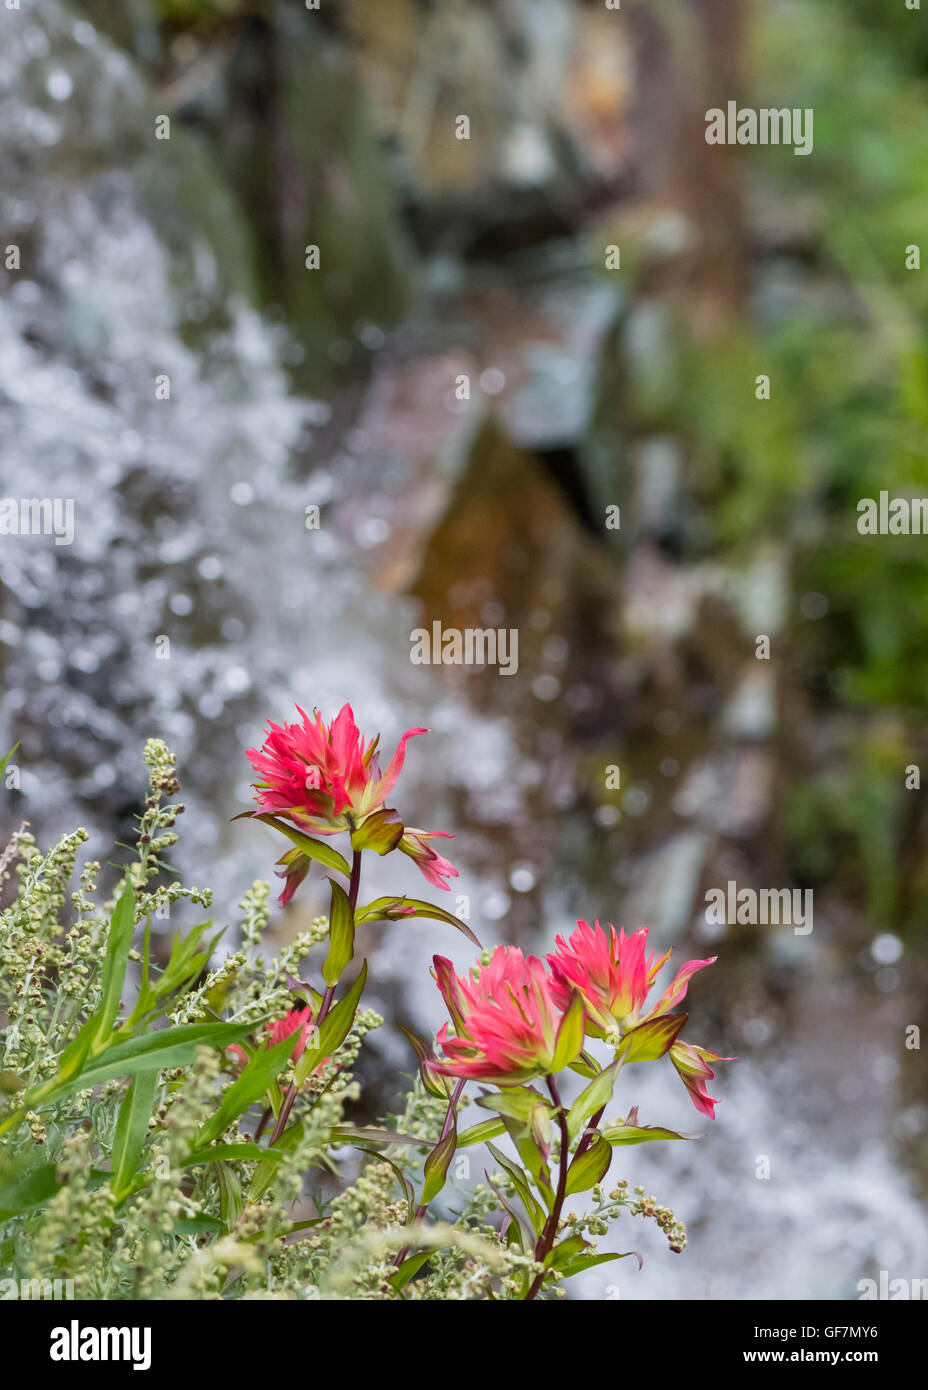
{"x":341,"y":935}
{"x":93,"y":1037}
{"x":313,"y":849}
{"x":231,"y":1198}
{"x":631,"y":1133}
{"x":437,"y":1164}
{"x":520,"y":1232}
{"x":371,"y":1135}
{"x":583,"y":1262}
{"x":536,"y":1213}
{"x":118,"y":944}
{"x":569,"y":1035}
{"x":333,"y":1030}
{"x":590,"y":1167}
{"x":6,"y":758}
{"x":259,"y":1071}
{"x":480,"y":1133}
{"x":434,"y":1082}
{"x":168,"y":1047}
{"x":396,"y":909}
{"x":409,"y":1268}
{"x":593,"y":1098}
{"x":232,"y":1153}
{"x":131,"y":1130}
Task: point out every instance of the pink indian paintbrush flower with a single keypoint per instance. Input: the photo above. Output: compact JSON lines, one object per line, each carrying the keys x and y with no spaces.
{"x":320,"y":774}
{"x":434,"y":866}
{"x":326,"y":779}
{"x":692,"y":1063}
{"x":507,"y":1023}
{"x":613,"y":974}
{"x":298,"y":1020}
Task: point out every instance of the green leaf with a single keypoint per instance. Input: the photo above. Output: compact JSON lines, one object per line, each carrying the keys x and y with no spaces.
{"x":434,"y":1082}
{"x":567,"y":1250}
{"x":380,"y":831}
{"x":396,"y":909}
{"x":24,"y":1188}
{"x":313,"y":849}
{"x":650,"y":1040}
{"x":480,"y":1133}
{"x":593,"y":1098}
{"x":520,"y":1233}
{"x":583,"y":1262}
{"x":640,"y":1134}
{"x":97,"y":1031}
{"x":536,"y":1213}
{"x":348,"y":1133}
{"x":232,"y":1153}
{"x":341,"y":935}
{"x":199,"y":1225}
{"x":516,"y":1101}
{"x":131,"y":1131}
{"x":266,"y":1170}
{"x":524,"y":1138}
{"x":231,"y":1198}
{"x":437,"y":1164}
{"x":6,"y":758}
{"x":333,"y":1030}
{"x":257,"y":1075}
{"x":569,"y":1036}
{"x":409,"y":1268}
{"x":118,"y":945}
{"x":22,"y":1191}
{"x":75,"y":1054}
{"x":590,"y":1167}
{"x":528,"y":1121}
{"x":584,"y":1066}
{"x":168,"y":1047}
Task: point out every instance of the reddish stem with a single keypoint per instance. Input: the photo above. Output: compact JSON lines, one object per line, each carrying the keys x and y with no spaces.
{"x":549,"y":1234}
{"x":445,"y":1130}
{"x":327,"y":998}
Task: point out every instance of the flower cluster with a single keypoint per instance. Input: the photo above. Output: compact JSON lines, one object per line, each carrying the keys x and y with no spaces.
{"x":512,"y":1017}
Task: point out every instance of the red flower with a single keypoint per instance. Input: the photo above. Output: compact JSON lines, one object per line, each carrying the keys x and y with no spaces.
{"x":614,"y":975}
{"x":434,"y":866}
{"x":298,"y":1020}
{"x":507,"y":1022}
{"x":326,"y":779}
{"x":320,"y":775}
{"x":692,"y":1063}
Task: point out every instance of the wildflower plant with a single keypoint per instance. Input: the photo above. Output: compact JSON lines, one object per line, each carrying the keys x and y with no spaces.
{"x":163,"y":1125}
